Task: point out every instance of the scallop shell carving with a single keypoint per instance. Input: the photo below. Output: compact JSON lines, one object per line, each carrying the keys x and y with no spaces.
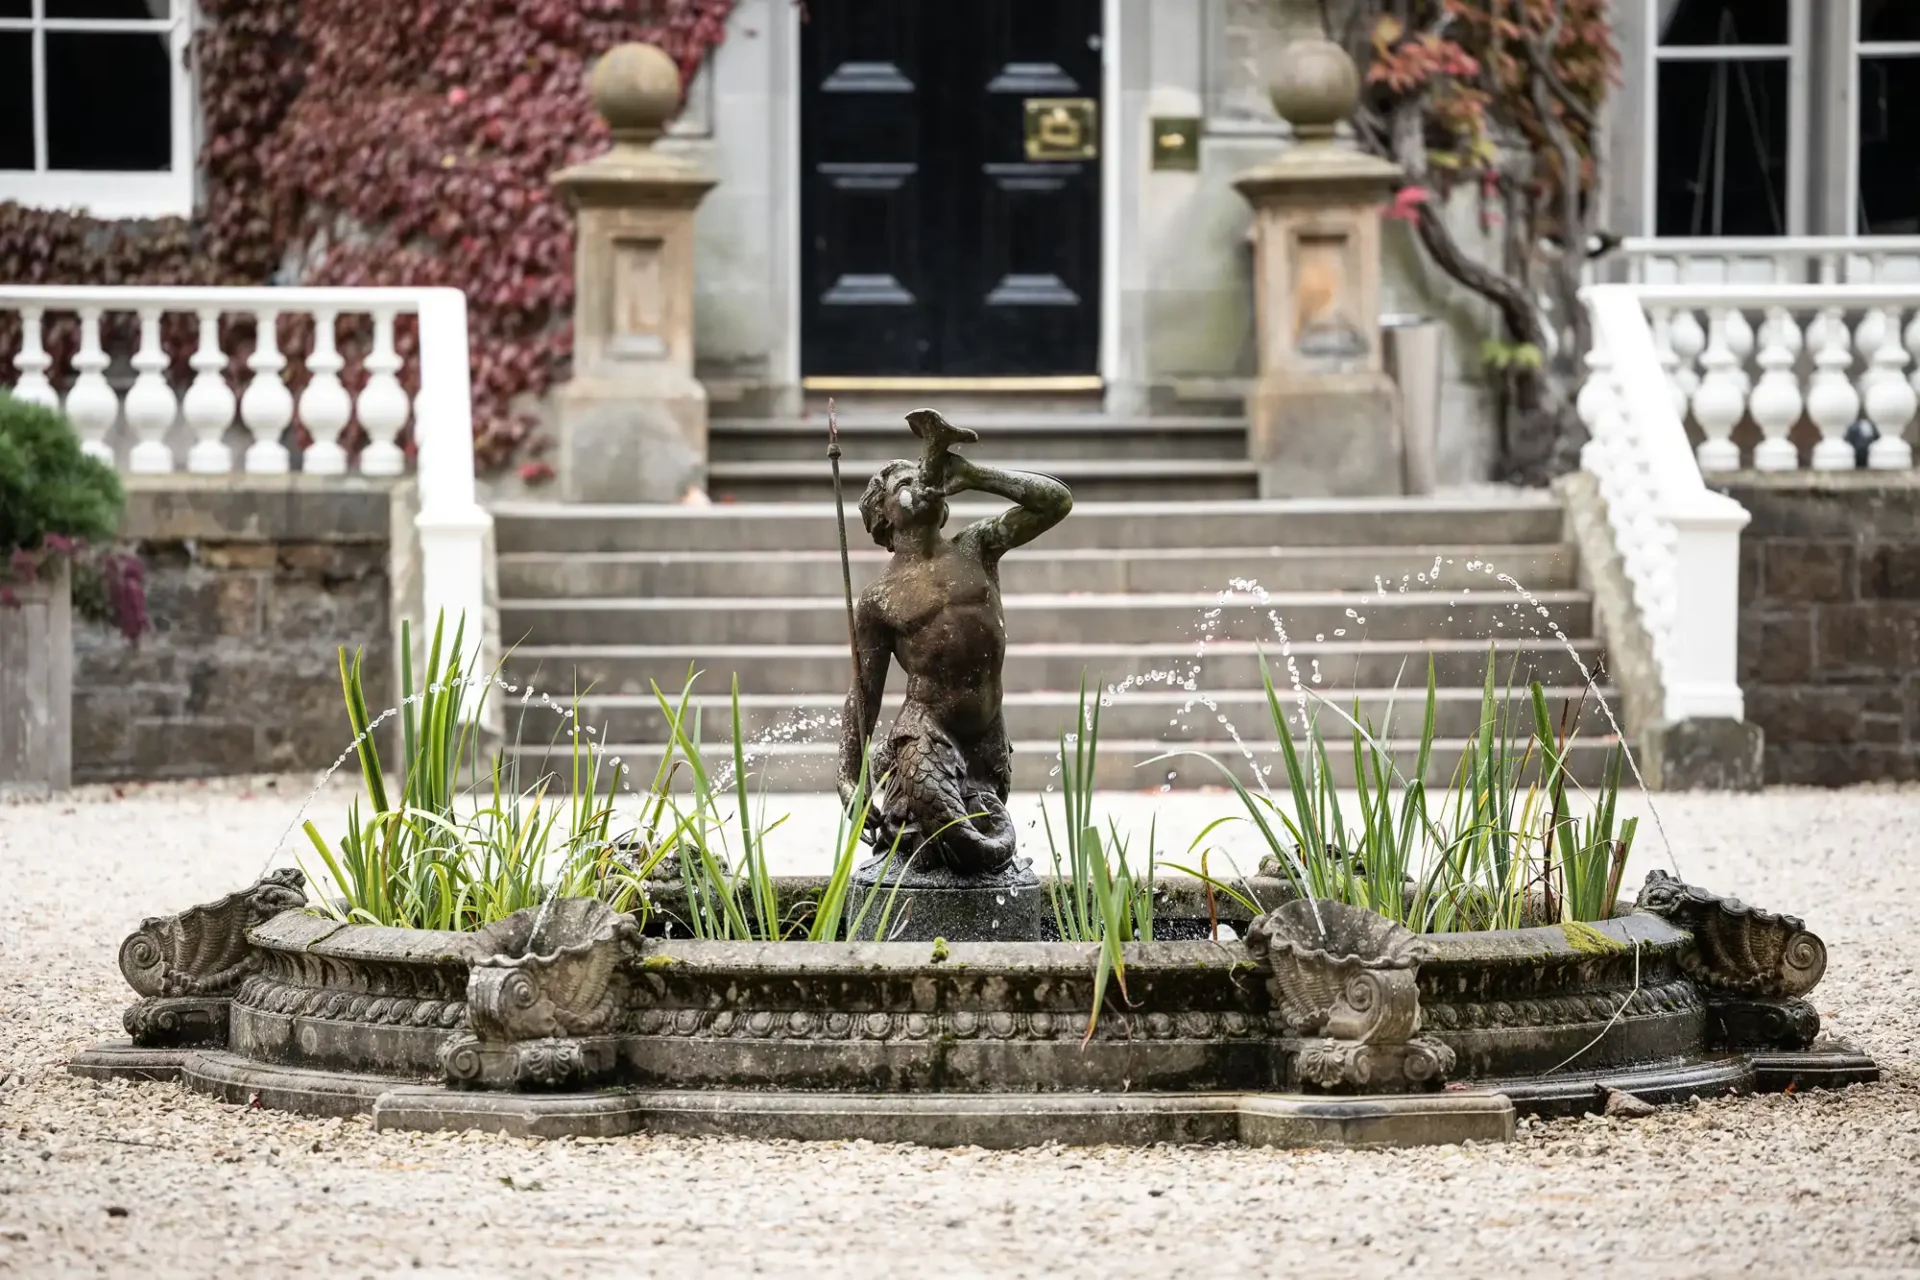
{"x":1736,"y":948}
{"x":203,"y":951}
{"x":1328,"y":960}
{"x":566,"y":974}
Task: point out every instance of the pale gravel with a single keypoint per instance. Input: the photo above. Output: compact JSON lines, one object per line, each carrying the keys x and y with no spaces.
{"x":1816,"y":1184}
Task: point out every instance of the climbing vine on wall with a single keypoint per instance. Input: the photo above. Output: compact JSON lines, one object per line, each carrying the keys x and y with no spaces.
{"x":405,"y":143}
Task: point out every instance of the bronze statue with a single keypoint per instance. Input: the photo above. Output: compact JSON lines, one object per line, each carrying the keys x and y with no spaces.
{"x":936,"y":611}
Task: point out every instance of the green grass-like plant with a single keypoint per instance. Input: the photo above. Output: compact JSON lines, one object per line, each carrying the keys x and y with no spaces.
{"x":1096,"y":896}
{"x":1499,"y":847}
{"x":444,"y":853}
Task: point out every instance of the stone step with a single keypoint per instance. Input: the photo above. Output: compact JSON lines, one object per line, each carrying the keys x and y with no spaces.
{"x":1525,"y":517}
{"x":1099,"y":479}
{"x":1122,"y":765}
{"x":1057,"y":435}
{"x":1141,"y":714}
{"x":1133,"y":618}
{"x":549,"y":575}
{"x":799,"y":669}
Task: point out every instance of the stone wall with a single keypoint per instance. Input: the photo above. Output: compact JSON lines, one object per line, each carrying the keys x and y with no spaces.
{"x":253,"y":584}
{"x":1830,"y":623}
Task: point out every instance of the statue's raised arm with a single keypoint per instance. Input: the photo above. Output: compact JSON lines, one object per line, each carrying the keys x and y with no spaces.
{"x":1042,"y":502}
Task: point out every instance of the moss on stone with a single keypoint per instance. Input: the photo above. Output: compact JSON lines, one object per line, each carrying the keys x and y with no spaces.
{"x":940,"y":951}
{"x":1587,"y":940}
{"x":658,"y":962}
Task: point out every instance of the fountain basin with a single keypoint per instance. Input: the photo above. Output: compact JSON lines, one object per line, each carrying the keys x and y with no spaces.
{"x":591,"y":1027}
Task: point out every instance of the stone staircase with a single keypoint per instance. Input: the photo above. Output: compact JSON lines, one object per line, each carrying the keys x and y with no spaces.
{"x":1101,"y":458}
{"x":606,"y":600}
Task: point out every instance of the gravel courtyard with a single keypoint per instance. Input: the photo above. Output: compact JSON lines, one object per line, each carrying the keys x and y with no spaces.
{"x":125,"y":1180}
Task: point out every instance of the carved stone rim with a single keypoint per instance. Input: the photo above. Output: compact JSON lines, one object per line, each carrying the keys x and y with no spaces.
{"x":301,"y":930}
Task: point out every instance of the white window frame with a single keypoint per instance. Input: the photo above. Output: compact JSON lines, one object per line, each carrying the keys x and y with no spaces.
{"x":107,"y":194}
{"x":1857,"y":51}
{"x":1796,"y":53}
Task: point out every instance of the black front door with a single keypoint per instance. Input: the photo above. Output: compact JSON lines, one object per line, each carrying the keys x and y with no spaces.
{"x":937,"y":239}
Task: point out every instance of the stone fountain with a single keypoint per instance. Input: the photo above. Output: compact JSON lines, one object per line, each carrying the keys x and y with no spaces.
{"x":1308,"y":1022}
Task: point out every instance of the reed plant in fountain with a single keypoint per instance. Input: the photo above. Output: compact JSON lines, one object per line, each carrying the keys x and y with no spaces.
{"x":1513,"y":839}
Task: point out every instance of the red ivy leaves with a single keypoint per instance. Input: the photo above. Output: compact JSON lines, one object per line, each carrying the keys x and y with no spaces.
{"x":1468,"y":59}
{"x":404,"y":143}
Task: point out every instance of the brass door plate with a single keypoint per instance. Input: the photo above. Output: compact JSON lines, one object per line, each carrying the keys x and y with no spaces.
{"x":1062,"y":128}
{"x":1176,"y":143}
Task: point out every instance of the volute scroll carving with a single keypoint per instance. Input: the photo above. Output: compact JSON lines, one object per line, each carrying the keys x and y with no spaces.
{"x":1737,"y":949}
{"x":1345,"y":981}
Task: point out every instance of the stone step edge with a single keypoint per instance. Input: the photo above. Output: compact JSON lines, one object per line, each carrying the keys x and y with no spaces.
{"x":788,"y":470}
{"x":1464,"y":506}
{"x":1030,"y":555}
{"x":1109,"y":747}
{"x":985,"y":424}
{"x":1055,"y":649}
{"x":1409,"y":694}
{"x":1072,"y":600}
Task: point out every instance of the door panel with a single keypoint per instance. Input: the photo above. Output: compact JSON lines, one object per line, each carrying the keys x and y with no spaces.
{"x":932,"y":243}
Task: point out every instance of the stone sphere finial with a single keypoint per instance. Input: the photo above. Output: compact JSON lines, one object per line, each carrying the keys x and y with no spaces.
{"x":1315,"y":86}
{"x":636,"y":89}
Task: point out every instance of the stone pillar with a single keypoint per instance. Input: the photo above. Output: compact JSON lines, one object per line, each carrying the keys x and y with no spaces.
{"x":1324,"y":417}
{"x":633,"y":420}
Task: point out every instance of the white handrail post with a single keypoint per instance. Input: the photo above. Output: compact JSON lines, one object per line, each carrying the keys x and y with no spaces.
{"x":1702,"y":675}
{"x":452,"y":525}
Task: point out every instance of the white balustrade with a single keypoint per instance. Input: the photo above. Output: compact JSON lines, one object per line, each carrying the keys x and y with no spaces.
{"x":1679,"y":541}
{"x":1800,"y":361}
{"x":1758,"y":260}
{"x":106,"y":407}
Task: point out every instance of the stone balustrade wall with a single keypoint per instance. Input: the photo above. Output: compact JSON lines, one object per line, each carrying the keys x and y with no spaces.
{"x":1829,"y":647}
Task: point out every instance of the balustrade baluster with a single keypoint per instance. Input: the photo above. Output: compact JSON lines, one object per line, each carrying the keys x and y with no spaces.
{"x":1867,"y":337}
{"x":266,"y":406}
{"x":92,"y":406}
{"x":1689,"y":340}
{"x":1776,"y":402}
{"x":1740,"y":341}
{"x":1832,"y":401}
{"x":150,"y":404}
{"x":1721,"y":400}
{"x":383,"y":402}
{"x":1662,"y":319}
{"x":33,"y":363}
{"x":1890,"y":401}
{"x":325,"y":405}
{"x":1912,"y":341}
{"x":209,"y":402}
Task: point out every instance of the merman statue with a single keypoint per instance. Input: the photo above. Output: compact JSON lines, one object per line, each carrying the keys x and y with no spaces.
{"x":942,"y":771}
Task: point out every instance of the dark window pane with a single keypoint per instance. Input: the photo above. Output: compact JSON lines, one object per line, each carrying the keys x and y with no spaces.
{"x":1722,"y":158}
{"x":1889,"y":20}
{"x":16,"y":100}
{"x":1698,"y":22}
{"x":109,"y":101}
{"x":107,"y":8}
{"x":1889,"y":122}
{"x":16,"y":8}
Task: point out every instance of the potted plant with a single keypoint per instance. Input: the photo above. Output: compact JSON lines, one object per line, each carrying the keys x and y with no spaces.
{"x":59,"y":513}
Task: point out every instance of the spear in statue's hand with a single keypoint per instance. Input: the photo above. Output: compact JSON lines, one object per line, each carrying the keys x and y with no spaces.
{"x":846,"y":576}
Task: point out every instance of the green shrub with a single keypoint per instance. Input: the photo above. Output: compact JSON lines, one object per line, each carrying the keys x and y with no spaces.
{"x":47,"y":485}
{"x":56,"y":503}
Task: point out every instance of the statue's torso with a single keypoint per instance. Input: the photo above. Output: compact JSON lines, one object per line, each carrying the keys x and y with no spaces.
{"x":949,"y":635}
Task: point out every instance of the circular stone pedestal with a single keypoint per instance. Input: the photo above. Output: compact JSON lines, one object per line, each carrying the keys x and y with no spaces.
{"x":929,"y":903}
